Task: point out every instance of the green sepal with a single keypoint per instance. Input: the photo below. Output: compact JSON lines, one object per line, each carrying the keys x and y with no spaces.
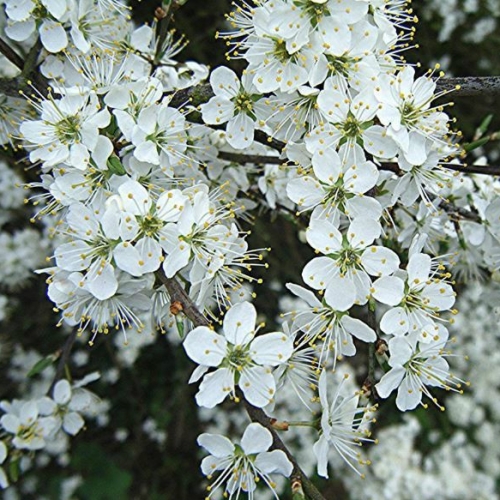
{"x":179,"y":323}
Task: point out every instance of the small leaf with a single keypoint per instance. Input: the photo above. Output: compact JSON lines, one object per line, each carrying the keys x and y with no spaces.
{"x":41,"y":364}
{"x":14,"y":470}
{"x":476,"y":144}
{"x":115,"y":165}
{"x":484,"y":125}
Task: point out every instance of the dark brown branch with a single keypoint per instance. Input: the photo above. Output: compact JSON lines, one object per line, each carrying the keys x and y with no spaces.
{"x":28,"y":67}
{"x":63,"y":360}
{"x":257,"y":159}
{"x":470,"y":86}
{"x":11,"y":54}
{"x":460,"y":212}
{"x":178,"y":294}
{"x":257,"y":415}
{"x":474,"y":169}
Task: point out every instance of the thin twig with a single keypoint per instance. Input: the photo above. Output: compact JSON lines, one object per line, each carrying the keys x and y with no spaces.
{"x":256,"y":159}
{"x":258,"y":415}
{"x":178,"y":294}
{"x":39,"y":82}
{"x":65,"y":353}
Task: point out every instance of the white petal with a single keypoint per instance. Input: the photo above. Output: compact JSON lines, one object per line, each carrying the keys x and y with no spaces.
{"x":239,"y":323}
{"x":217,"y":445}
{"x":395,"y":321}
{"x":388,"y":290}
{"x":379,"y":261}
{"x":240,"y":131}
{"x":320,"y":449}
{"x":271,"y":349}
{"x":224,"y":82}
{"x":62,"y":392}
{"x":363,"y":231}
{"x":258,"y":385}
{"x":419,"y":267}
{"x":319,"y":272}
{"x":274,"y":462}
{"x":215,"y":387}
{"x":102,"y":282}
{"x":358,"y":329}
{"x":340,"y":293}
{"x":205,"y":347}
{"x":409,"y":394}
{"x":390,"y":381}
{"x":73,"y":423}
{"x":256,"y":439}
{"x":53,"y":36}
{"x":324,"y":236}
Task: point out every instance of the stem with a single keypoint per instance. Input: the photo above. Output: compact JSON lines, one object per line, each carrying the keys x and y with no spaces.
{"x":178,"y":294}
{"x":258,"y":415}
{"x":257,"y":159}
{"x":27,"y":67}
{"x":63,"y":360}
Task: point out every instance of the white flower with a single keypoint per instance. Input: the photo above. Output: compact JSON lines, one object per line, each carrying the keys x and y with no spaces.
{"x":27,"y":427}
{"x":199,"y":235}
{"x":339,"y":182}
{"x":243,"y":465}
{"x":405,"y":107}
{"x":241,"y":358}
{"x":160,"y":136}
{"x":4,"y":482}
{"x":140,"y":224}
{"x":80,"y":307}
{"x":67,"y":405}
{"x":351,"y":120}
{"x":67,"y":132}
{"x":333,"y":330}
{"x":349,"y":260}
{"x":343,"y":427}
{"x":235,"y":103}
{"x":414,"y":367}
{"x":418,"y":302}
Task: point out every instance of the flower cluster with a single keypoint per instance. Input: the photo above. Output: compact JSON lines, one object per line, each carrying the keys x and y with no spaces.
{"x":147,"y":191}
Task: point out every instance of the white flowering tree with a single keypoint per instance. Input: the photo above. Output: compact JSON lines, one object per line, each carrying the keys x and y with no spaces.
{"x":145,"y":176}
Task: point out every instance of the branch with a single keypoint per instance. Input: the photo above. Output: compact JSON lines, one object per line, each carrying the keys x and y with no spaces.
{"x":257,"y":159}
{"x":473,"y":169}
{"x":257,"y":415}
{"x":470,"y":86}
{"x":66,"y":351}
{"x":28,"y":67}
{"x":178,"y":294}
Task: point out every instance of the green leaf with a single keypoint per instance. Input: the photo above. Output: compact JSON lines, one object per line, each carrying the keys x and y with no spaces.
{"x":104,"y":479}
{"x":14,"y":470}
{"x":476,"y":144}
{"x":484,"y":125}
{"x":41,"y":364}
{"x":115,"y":165}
